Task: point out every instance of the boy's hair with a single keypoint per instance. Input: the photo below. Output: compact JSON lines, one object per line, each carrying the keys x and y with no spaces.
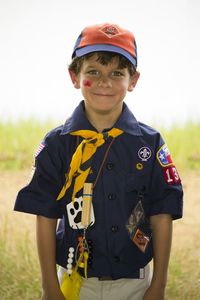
{"x":104,"y":57}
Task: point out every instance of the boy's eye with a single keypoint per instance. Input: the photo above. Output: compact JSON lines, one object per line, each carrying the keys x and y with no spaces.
{"x":93,"y":72}
{"x":117,"y":73}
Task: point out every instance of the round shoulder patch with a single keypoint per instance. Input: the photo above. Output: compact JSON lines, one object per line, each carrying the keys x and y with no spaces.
{"x":144,"y":153}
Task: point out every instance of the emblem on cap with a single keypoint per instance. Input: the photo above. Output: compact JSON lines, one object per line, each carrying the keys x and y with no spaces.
{"x":144,"y":153}
{"x":110,"y":30}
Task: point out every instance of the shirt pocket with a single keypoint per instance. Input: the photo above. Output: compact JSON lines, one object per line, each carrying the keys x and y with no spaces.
{"x":136,"y":182}
{"x":137,"y":196}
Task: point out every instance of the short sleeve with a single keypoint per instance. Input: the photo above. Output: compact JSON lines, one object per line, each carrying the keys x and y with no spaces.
{"x":39,"y":196}
{"x":166,"y":188}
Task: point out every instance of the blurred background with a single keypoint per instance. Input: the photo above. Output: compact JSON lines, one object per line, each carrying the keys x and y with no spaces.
{"x":37,"y":38}
{"x":36,"y":94}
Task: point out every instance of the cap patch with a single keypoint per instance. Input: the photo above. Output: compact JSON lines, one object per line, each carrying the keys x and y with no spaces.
{"x":110,"y":31}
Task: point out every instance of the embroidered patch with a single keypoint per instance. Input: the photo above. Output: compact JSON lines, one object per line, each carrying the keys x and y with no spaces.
{"x":144,"y":153}
{"x":171,"y":175}
{"x":164,"y":156}
{"x":39,"y":149}
{"x":141,"y":240}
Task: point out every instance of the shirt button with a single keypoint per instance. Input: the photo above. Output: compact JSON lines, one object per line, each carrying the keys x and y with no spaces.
{"x":111,"y":196}
{"x":109,"y":166}
{"x":117,"y":259}
{"x":114,"y":228}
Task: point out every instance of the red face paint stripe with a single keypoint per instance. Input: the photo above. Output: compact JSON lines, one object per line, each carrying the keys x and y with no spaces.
{"x":87,"y":83}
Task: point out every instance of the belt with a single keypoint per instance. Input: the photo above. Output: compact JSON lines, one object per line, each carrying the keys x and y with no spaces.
{"x":139,"y":274}
{"x":103,"y":278}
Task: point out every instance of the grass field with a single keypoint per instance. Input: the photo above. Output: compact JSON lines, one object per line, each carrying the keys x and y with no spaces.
{"x":20,"y":140}
{"x":19,"y":269}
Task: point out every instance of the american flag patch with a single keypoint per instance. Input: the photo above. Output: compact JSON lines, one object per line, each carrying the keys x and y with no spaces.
{"x":39,"y":149}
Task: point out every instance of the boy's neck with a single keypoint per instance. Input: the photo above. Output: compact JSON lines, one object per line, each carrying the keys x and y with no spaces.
{"x":102,"y":121}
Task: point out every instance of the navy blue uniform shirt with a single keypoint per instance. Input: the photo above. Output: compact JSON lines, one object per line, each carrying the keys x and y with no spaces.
{"x":137,"y":169}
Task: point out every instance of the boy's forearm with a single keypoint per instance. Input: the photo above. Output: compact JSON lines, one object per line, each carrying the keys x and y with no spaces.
{"x":46,"y":243}
{"x":162,"y":237}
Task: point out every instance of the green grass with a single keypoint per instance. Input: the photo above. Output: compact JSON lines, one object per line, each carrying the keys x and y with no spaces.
{"x":20,"y":140}
{"x":184,"y":144}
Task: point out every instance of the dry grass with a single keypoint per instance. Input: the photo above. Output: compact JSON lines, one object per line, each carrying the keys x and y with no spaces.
{"x":19,"y":270}
{"x":184,"y":273}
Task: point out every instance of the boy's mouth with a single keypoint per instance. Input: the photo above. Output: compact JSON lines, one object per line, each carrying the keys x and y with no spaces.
{"x":103,"y":95}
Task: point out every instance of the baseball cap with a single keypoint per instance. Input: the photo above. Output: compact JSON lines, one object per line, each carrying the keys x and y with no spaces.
{"x":106,"y":37}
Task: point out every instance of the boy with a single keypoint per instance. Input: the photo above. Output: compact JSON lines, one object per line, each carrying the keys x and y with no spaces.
{"x":135,"y":187}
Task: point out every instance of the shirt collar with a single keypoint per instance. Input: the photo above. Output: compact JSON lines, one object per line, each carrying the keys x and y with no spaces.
{"x":78,"y":120}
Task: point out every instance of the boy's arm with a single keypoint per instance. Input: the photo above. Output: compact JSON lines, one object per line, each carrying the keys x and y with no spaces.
{"x":46,"y":243}
{"x":162,"y":236}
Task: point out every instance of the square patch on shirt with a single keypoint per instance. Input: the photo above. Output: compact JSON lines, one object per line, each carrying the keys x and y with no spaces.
{"x":171,"y":175}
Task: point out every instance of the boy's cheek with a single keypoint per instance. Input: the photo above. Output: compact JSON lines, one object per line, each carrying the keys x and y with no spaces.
{"x":87,"y":83}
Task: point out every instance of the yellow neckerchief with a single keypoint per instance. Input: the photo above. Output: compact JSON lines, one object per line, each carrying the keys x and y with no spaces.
{"x":82,"y":158}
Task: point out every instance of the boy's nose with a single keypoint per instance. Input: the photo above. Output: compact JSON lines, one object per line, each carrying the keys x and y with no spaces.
{"x":104,"y":81}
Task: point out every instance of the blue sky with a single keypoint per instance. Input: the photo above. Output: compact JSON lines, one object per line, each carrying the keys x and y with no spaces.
{"x":37,"y":39}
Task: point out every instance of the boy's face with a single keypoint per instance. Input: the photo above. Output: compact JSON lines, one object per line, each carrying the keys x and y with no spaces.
{"x":103,"y":87}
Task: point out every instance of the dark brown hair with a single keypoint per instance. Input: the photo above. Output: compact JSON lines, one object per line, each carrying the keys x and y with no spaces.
{"x":104,"y":57}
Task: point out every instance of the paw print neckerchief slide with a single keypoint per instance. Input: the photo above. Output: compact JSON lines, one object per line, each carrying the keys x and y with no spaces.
{"x":82,"y":158}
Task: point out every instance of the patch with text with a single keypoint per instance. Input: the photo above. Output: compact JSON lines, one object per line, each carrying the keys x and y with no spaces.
{"x":171,"y":175}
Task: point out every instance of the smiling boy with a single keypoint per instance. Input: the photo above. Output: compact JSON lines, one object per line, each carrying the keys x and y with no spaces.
{"x":104,"y":88}
{"x":135,"y":190}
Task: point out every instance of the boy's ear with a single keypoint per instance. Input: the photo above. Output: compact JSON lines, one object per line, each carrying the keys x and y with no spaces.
{"x":133,"y":81}
{"x":74,"y":79}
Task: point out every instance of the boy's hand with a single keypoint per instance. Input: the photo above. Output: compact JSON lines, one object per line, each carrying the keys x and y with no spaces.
{"x":154,"y":293}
